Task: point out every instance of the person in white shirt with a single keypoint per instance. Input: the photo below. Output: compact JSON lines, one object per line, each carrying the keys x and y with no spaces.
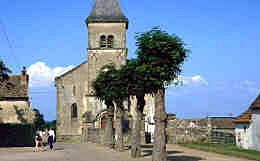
{"x":51,"y":138}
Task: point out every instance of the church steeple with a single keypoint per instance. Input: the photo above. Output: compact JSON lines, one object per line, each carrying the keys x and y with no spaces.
{"x":106,"y":11}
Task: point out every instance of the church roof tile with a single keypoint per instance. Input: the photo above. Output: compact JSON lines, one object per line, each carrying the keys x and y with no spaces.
{"x":106,"y":11}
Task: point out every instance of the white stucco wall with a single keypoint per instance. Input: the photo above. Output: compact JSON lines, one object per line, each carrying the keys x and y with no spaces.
{"x":242,"y":135}
{"x":249,"y":138}
{"x":254,"y":139}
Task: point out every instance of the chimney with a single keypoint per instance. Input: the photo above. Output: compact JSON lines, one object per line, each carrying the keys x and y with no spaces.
{"x":24,"y":77}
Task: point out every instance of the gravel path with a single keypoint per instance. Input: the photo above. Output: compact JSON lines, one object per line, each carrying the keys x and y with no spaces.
{"x":93,"y":152}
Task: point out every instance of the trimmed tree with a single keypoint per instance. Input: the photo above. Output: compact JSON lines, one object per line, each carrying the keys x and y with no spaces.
{"x":102,"y":87}
{"x":137,"y":84}
{"x":117,"y":94}
{"x":162,"y":57}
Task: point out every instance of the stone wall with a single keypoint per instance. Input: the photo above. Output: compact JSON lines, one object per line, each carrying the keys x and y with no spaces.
{"x":187,"y":130}
{"x":16,"y":112}
{"x":96,"y":135}
{"x":210,"y":129}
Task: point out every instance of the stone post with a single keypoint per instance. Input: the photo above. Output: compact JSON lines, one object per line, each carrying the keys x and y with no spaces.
{"x":86,"y":124}
{"x":108,"y":138}
{"x":84,"y":132}
{"x":143,"y":131}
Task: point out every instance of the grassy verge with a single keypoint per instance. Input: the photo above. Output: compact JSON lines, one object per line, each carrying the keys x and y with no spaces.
{"x":226,"y":149}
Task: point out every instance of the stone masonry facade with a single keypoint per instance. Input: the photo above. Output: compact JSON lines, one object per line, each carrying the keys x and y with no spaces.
{"x":107,"y":28}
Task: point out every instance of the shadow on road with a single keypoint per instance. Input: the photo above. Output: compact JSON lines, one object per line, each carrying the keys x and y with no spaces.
{"x":184,"y":158}
{"x":150,"y":152}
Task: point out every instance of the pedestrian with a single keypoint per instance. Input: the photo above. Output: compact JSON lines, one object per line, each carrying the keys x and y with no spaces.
{"x":41,"y":140}
{"x":37,"y":139}
{"x":51,"y":138}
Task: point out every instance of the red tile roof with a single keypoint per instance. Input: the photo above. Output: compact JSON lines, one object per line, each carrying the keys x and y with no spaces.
{"x":247,"y":115}
{"x":244,"y":117}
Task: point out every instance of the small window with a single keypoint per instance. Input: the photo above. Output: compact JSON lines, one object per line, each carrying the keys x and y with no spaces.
{"x":74,"y":110}
{"x":110,"y":41}
{"x":103,"y":43}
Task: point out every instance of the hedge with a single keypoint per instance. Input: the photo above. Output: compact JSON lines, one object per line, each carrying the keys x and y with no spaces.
{"x":16,"y":135}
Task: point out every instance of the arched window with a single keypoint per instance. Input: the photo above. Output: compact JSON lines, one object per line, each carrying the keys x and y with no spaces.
{"x":110,"y":41}
{"x":74,"y":91}
{"x":74,"y":110}
{"x":103,"y":42}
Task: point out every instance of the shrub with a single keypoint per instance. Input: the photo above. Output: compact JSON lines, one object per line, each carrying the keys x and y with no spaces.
{"x":16,"y":135}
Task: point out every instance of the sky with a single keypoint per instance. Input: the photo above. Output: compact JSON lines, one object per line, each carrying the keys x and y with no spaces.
{"x":220,"y":77}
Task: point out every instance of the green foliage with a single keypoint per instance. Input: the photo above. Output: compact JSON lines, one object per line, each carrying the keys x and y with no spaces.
{"x":50,"y":124}
{"x":226,"y":149}
{"x":161,"y":56}
{"x":38,"y":121}
{"x":4,"y":71}
{"x":160,"y":60}
{"x":16,"y":135}
{"x":109,"y":87}
{"x":137,"y":78}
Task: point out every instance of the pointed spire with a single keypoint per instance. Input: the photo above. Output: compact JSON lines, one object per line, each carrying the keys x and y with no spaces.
{"x":106,"y":11}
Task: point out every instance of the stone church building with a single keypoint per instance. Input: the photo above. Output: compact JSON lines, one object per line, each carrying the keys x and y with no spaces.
{"x":15,"y":106}
{"x":107,"y":26}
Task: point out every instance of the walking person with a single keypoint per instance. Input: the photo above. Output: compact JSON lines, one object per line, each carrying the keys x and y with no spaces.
{"x":40,"y":143}
{"x":37,"y":140}
{"x":51,"y":138}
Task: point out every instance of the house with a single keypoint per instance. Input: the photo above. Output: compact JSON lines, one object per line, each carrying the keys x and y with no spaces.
{"x":15,"y":106}
{"x":248,"y":127}
{"x":222,"y":124}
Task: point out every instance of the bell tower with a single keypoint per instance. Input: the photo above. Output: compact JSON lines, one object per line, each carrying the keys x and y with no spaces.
{"x":107,"y":27}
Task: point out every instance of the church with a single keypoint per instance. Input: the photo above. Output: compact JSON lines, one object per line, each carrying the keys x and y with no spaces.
{"x":107,"y":26}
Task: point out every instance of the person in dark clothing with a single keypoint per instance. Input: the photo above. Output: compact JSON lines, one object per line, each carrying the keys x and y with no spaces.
{"x":51,"y":138}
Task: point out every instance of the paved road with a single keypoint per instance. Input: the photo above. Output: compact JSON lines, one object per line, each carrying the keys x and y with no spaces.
{"x":93,"y":152}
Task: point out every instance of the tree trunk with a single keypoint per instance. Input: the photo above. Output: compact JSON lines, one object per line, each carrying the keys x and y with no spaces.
{"x":159,"y":148}
{"x":119,"y":145}
{"x":136,"y":135}
{"x":108,"y":138}
{"x":136,"y":129}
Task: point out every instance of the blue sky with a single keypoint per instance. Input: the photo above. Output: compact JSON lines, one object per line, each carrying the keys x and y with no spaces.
{"x":220,"y":77}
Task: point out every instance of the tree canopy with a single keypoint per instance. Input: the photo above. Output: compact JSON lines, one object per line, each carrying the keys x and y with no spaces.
{"x":108,"y":85}
{"x":4,"y":71}
{"x":162,"y":56}
{"x":38,"y":121}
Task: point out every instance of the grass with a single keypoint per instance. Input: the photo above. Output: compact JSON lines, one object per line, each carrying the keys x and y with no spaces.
{"x":226,"y":149}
